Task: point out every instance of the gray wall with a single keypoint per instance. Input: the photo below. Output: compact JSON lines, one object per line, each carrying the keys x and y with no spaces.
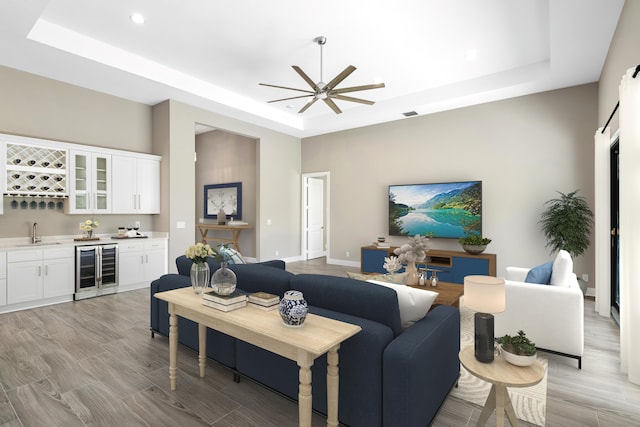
{"x":523,"y":149}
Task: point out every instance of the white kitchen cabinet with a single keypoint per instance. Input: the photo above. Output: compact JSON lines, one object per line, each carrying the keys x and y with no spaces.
{"x":136,"y":185}
{"x":89,"y":182}
{"x":58,"y":272}
{"x":3,"y":278}
{"x":35,"y":274}
{"x":141,"y":262}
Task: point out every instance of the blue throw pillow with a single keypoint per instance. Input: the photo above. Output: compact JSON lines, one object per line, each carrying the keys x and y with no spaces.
{"x":540,"y":274}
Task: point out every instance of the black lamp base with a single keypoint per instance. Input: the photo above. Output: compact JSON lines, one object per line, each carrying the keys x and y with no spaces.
{"x":484,"y":339}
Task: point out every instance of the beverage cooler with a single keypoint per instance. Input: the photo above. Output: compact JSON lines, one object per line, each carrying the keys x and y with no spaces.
{"x":96,"y":270}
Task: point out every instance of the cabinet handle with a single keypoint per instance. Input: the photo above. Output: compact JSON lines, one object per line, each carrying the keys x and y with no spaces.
{"x":146,"y":259}
{"x":46,"y":270}
{"x":39,"y":271}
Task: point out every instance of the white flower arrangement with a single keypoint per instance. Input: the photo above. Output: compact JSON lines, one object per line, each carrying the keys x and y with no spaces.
{"x":89,"y":225}
{"x":414,"y":251}
{"x":199,"y":252}
{"x":392,"y":264}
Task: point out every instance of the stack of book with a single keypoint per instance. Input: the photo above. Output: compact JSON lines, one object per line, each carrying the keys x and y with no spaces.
{"x":224,"y":302}
{"x":264,"y":300}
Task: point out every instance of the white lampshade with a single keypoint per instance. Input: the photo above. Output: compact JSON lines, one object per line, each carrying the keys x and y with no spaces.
{"x":484,"y":294}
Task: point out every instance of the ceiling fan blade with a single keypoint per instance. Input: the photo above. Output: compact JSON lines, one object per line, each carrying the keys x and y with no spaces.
{"x":333,"y":105}
{"x":358,"y":88}
{"x":285,"y":87}
{"x":308,"y":104}
{"x":340,"y":77}
{"x":349,"y":98}
{"x":286,"y":99}
{"x":304,"y":76}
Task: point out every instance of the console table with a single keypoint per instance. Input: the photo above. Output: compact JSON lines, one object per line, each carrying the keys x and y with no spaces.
{"x":233,"y":229}
{"x":264,"y":329}
{"x":452,"y":266}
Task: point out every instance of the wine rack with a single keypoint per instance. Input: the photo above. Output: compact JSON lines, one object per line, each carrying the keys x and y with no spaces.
{"x":36,"y":171}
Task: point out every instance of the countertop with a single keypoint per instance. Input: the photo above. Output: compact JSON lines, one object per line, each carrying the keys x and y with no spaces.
{"x":60,"y":241}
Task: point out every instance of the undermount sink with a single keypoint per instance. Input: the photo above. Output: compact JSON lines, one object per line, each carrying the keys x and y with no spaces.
{"x":39,"y":244}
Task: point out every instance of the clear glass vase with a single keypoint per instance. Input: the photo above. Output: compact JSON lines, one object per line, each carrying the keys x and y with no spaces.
{"x":223,"y":281}
{"x":199,"y":277}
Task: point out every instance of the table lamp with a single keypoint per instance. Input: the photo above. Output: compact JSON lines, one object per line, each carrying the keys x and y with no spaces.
{"x":485,"y":295}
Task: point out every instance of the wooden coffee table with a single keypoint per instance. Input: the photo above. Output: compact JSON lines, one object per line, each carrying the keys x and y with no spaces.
{"x":448,"y":293}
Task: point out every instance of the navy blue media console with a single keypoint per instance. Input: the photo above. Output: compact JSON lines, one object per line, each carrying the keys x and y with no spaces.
{"x":452,"y":266}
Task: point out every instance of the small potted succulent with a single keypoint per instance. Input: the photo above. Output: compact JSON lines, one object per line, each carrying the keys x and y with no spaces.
{"x":474,"y":244}
{"x":518,"y":349}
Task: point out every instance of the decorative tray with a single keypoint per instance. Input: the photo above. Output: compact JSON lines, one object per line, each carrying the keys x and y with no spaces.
{"x":85,"y":239}
{"x":141,"y":236}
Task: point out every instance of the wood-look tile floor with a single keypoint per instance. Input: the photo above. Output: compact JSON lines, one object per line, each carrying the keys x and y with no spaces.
{"x":94,"y":363}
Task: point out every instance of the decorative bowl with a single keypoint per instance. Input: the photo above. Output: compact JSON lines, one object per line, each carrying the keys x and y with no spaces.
{"x":516,"y":359}
{"x":381,"y":239}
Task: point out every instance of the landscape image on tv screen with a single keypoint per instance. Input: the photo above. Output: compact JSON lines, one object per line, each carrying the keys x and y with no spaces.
{"x":447,"y":210}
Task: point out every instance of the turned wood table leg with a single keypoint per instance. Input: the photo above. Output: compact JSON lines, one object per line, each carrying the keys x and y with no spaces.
{"x":173,"y":346}
{"x":202,"y":349}
{"x":304,"y":390}
{"x":332,"y":387}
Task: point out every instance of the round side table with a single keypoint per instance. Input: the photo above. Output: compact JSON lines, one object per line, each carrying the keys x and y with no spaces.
{"x":501,"y":374}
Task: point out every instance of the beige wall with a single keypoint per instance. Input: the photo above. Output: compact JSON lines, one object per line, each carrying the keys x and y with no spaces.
{"x":523,"y":149}
{"x":224,"y":157}
{"x":623,"y":54}
{"x":42,"y":108}
{"x":278,"y":179}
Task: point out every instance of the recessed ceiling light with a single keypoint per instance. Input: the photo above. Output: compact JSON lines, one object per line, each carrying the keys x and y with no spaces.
{"x":137,"y":18}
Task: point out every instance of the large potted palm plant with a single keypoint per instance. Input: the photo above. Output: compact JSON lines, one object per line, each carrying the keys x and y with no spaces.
{"x":566,"y":223}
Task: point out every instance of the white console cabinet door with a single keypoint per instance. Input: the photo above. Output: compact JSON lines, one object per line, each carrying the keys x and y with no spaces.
{"x":155,"y":260}
{"x":58,"y":277}
{"x":136,"y":185}
{"x":3,"y":278}
{"x":130,"y":263}
{"x":24,"y":281}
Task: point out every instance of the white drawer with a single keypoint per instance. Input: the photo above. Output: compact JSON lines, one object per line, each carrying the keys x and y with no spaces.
{"x":55,"y":253}
{"x":155,"y":244}
{"x":24,"y":255}
{"x":130,"y":246}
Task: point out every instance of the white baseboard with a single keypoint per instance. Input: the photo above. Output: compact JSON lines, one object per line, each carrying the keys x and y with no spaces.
{"x":343,"y":263}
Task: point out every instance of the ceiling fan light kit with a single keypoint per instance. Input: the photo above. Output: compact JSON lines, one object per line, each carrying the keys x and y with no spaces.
{"x":326,"y":92}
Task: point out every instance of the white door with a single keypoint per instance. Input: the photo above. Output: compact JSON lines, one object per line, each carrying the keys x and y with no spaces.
{"x":315,"y":218}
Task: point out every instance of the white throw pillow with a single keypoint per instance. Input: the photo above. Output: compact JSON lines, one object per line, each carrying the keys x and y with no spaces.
{"x":562,"y":270}
{"x":414,"y":303}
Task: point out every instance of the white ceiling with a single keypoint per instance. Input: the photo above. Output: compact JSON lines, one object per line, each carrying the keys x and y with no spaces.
{"x":212,"y":54}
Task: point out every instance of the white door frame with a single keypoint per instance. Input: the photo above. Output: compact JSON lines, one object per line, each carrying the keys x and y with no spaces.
{"x":327,"y":210}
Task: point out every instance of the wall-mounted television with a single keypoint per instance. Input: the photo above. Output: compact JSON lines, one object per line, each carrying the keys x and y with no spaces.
{"x":446,"y":209}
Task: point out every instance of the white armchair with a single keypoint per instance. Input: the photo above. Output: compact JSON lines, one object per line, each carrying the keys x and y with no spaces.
{"x":551,"y":315}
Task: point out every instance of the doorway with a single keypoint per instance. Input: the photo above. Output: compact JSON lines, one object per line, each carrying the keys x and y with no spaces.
{"x":615,"y":229}
{"x":315,"y":215}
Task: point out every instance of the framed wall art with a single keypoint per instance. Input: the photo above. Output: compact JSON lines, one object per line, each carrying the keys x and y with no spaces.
{"x":223,"y":196}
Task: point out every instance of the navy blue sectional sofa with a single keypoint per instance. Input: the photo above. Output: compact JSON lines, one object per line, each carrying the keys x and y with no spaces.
{"x":388,"y":377}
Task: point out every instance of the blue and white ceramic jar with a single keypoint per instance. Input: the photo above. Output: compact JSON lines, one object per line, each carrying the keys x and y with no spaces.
{"x":293,"y":308}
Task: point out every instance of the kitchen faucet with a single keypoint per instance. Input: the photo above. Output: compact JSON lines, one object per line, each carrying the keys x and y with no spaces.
{"x":34,"y":234}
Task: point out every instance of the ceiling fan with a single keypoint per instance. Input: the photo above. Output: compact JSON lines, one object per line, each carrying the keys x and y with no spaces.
{"x":326,"y":91}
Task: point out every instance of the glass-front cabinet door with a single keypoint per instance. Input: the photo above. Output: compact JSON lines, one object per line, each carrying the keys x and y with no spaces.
{"x":90,"y":182}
